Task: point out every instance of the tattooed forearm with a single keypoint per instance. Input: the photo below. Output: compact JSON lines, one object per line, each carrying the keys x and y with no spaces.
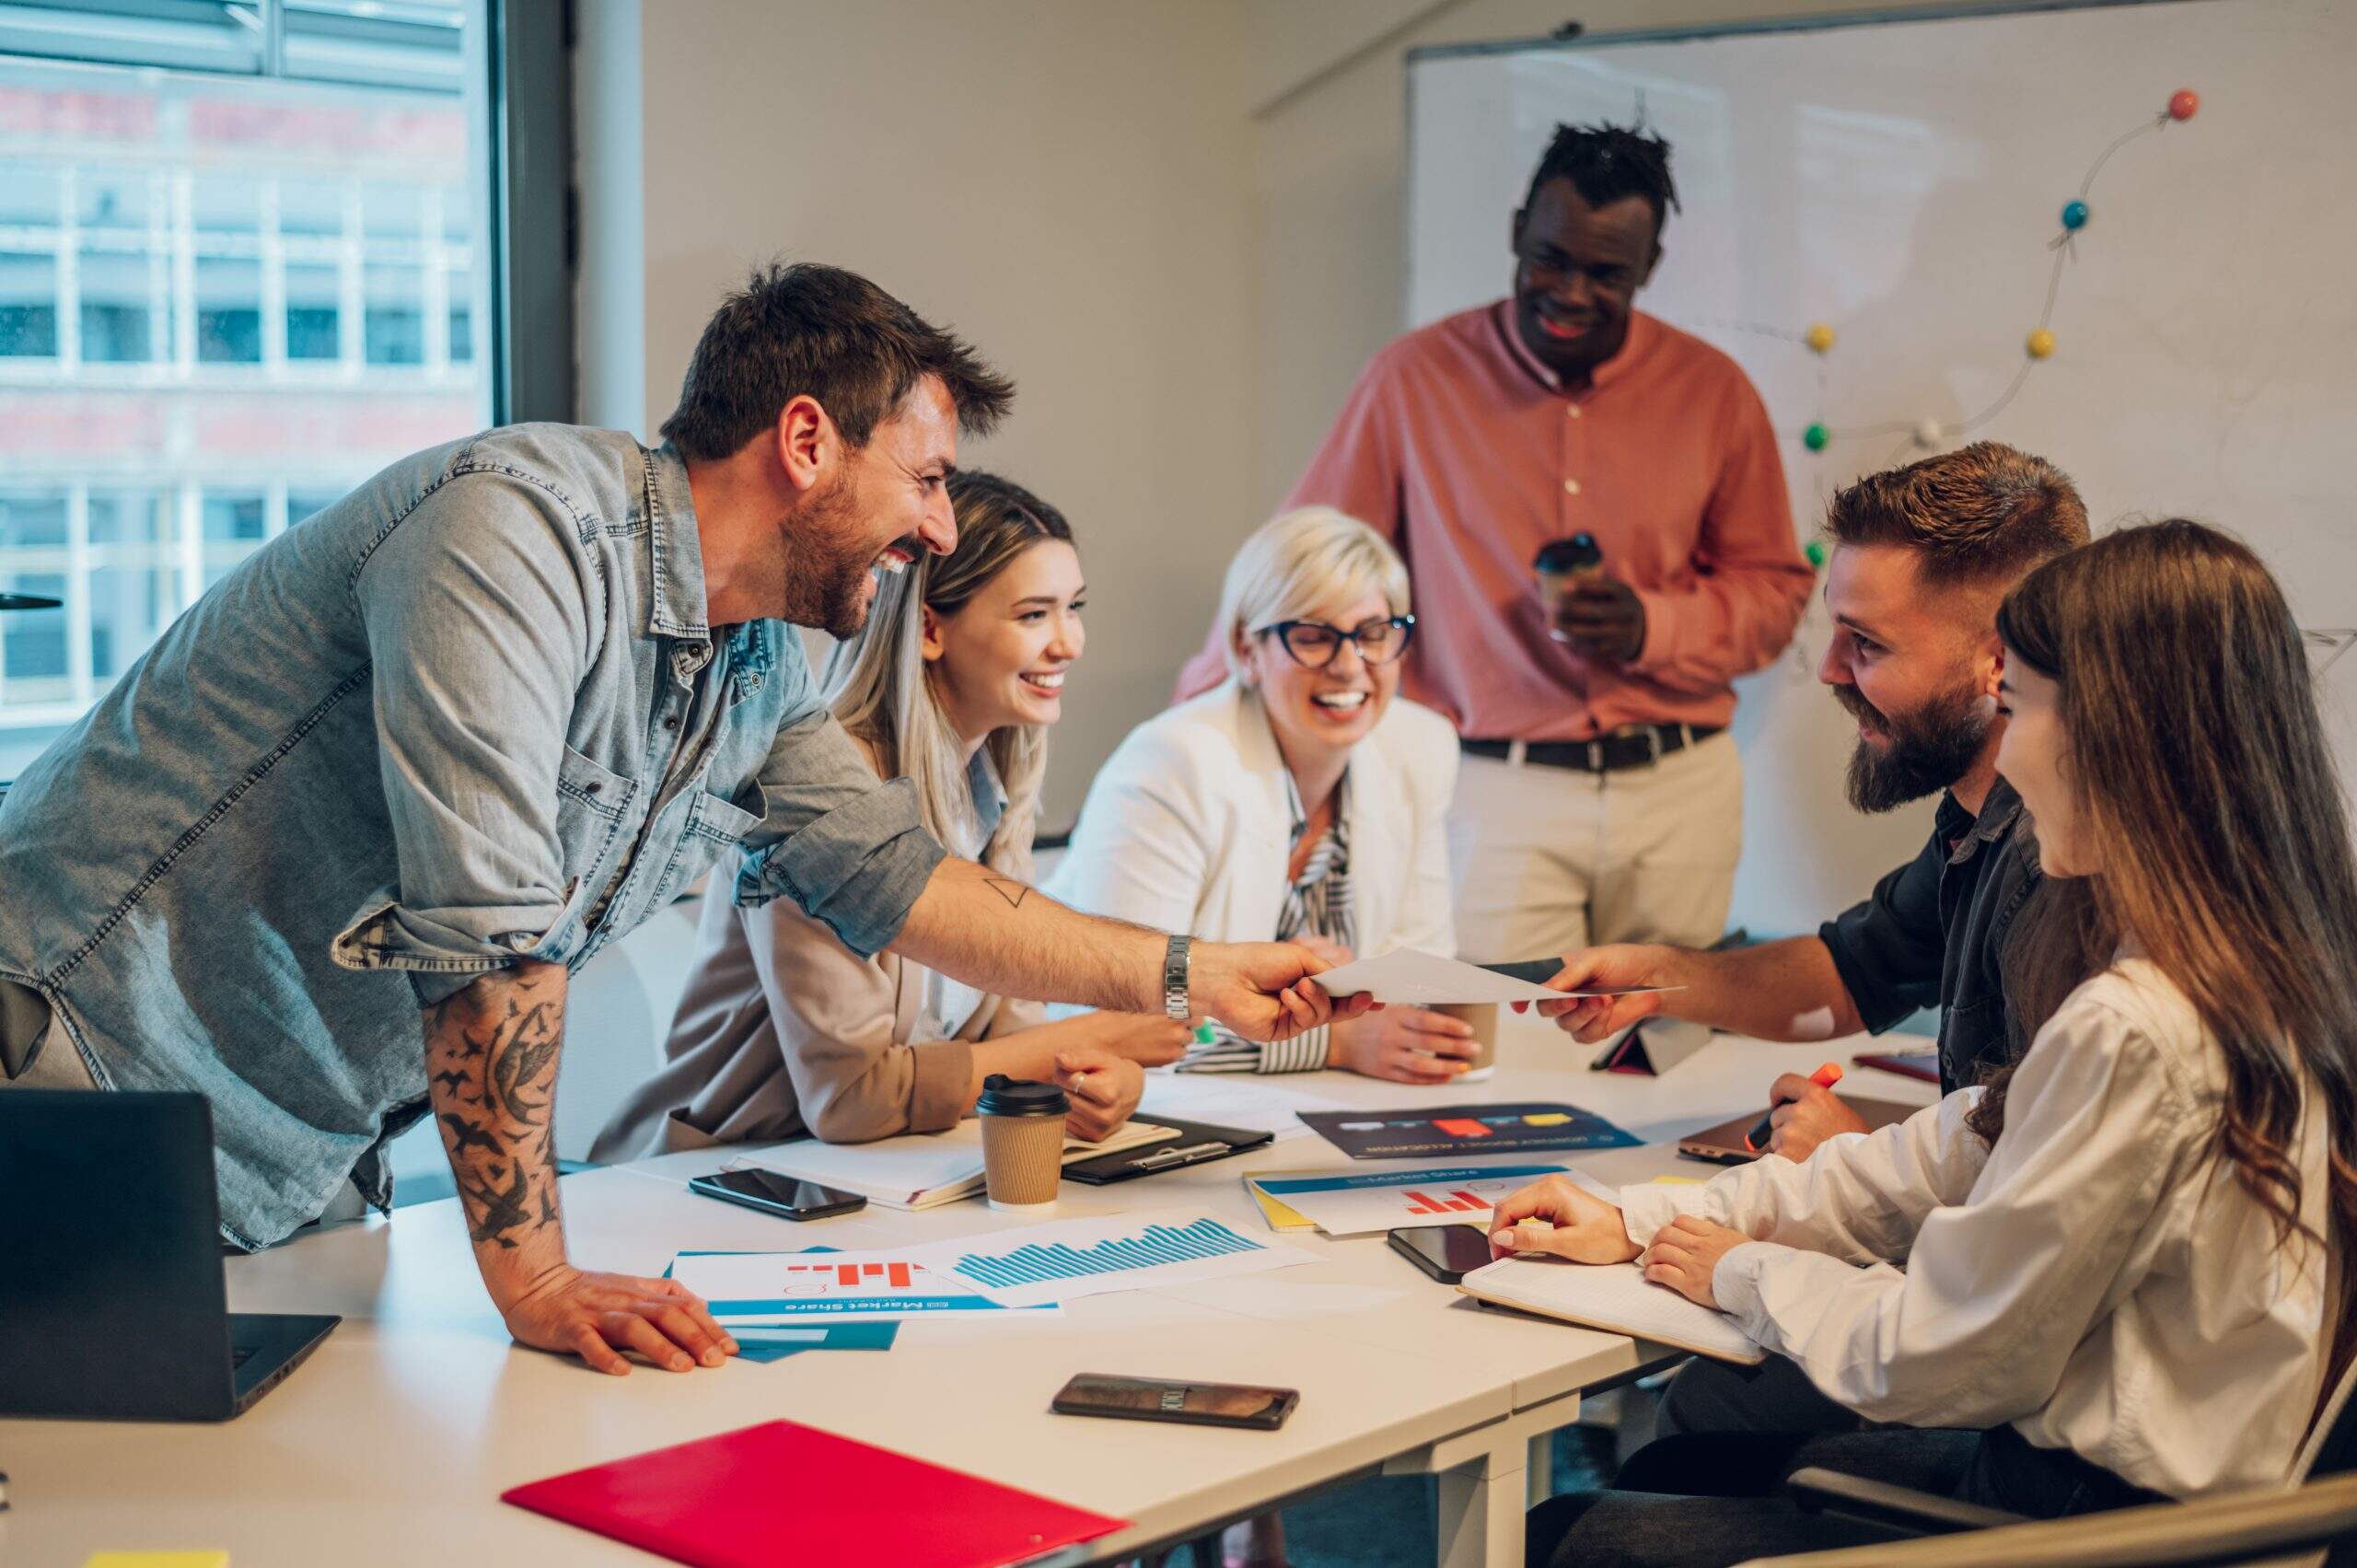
{"x":490,"y":1058}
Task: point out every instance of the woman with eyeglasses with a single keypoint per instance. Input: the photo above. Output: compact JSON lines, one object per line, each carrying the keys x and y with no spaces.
{"x":1301,"y":800}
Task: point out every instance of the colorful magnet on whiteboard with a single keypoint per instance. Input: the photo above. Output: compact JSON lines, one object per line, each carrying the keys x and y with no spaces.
{"x":1928,"y":433}
{"x":1815,"y":437}
{"x":1819,"y":337}
{"x":2074,"y":215}
{"x":1815,"y":551}
{"x":2184,"y":103}
{"x":2040,"y":345}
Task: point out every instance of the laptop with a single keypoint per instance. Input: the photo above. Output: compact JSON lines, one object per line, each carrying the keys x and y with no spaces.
{"x":110,"y":1266}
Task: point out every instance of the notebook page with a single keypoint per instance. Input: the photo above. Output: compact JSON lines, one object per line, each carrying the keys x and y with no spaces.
{"x":1616,"y":1298}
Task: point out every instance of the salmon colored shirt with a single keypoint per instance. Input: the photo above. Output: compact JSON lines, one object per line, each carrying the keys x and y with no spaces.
{"x":1468,"y":455}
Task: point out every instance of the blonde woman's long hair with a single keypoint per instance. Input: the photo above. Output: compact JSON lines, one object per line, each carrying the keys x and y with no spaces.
{"x":882,"y":690}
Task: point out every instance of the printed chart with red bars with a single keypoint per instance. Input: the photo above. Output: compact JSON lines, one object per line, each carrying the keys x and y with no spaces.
{"x":1397,"y":1200}
{"x":747,"y":1288}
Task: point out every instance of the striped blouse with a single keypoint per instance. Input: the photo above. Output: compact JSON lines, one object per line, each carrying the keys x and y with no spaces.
{"x":1317,"y":904}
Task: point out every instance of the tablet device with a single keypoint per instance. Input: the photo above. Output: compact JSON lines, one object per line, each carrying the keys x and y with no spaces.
{"x":1724,"y":1144}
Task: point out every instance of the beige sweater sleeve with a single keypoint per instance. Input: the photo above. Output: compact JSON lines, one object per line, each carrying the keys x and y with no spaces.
{"x":838,"y":1026}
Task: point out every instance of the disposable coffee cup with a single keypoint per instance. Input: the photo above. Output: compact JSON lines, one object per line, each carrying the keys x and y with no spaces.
{"x":1023,"y":1143}
{"x":1562,"y":563}
{"x":1483,"y":1016}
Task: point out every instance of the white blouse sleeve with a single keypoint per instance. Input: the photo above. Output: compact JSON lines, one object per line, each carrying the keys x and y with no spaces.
{"x":1859,"y":1197}
{"x":2002,"y":1288}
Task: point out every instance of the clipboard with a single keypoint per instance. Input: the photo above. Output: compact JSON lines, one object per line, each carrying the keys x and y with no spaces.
{"x":1199,"y":1142}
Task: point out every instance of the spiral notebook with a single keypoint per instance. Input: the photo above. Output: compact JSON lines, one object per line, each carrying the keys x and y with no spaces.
{"x":1615,"y":1297}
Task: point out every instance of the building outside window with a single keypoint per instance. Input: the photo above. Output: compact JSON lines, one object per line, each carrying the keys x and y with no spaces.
{"x":239,"y":273}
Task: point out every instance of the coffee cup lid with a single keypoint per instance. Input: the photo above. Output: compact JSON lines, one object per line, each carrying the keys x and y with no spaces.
{"x":1002,"y":1096}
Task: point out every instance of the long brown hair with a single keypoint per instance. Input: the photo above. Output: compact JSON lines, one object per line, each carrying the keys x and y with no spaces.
{"x":2204,"y":786}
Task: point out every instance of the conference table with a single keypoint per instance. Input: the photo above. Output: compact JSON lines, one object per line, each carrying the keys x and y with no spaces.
{"x":392,"y":1444}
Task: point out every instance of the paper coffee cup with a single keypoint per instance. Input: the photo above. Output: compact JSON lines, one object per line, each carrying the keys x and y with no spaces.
{"x":1483,"y":1016}
{"x":1560,"y":564}
{"x":1023,"y":1142}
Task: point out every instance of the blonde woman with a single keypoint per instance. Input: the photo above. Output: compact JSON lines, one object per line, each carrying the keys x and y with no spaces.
{"x":1301,"y":799}
{"x":782,"y":1029}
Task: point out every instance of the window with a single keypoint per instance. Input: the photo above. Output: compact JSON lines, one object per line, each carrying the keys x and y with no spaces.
{"x":239,"y":272}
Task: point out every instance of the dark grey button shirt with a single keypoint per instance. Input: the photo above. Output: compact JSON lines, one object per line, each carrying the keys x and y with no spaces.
{"x":1933,"y":934}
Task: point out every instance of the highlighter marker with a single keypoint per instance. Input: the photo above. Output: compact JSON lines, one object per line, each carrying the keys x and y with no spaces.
{"x":1825,"y":1077}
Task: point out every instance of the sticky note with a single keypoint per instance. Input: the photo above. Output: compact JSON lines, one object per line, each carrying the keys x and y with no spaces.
{"x":156,"y":1559}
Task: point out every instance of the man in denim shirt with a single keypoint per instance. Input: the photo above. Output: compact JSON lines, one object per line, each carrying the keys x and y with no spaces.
{"x":439,"y":744}
{"x":1922,"y":557}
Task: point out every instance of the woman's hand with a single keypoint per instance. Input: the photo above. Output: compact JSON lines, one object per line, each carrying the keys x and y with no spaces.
{"x":1407,"y":1045}
{"x":1102,"y":1089}
{"x":1553,"y":1214}
{"x":1144,"y":1039}
{"x":1686,"y":1253}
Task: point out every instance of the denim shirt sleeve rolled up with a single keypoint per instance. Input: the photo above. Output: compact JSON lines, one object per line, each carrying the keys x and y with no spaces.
{"x":850,"y":853}
{"x":478,"y":641}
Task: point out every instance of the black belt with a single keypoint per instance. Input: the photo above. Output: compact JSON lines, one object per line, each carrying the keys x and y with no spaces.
{"x":1637,"y":747}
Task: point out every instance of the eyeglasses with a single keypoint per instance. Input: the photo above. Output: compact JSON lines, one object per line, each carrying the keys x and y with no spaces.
{"x":1314,"y":644}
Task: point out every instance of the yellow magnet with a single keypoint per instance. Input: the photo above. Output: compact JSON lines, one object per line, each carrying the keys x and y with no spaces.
{"x":1819,"y":337}
{"x":2040,"y":345}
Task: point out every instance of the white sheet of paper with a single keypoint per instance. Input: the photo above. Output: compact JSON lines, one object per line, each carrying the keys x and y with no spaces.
{"x":1358,"y":1202}
{"x":1232,"y":1099}
{"x":779,"y":1288}
{"x":1417,"y":979}
{"x":1062,"y":1260}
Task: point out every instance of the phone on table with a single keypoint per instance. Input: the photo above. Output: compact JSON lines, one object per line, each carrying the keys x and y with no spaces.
{"x":787,"y":1197}
{"x":1201,"y":1404}
{"x":1447,"y":1252}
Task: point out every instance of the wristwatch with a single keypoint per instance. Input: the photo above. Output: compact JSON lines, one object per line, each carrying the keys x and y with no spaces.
{"x":1174,"y":968}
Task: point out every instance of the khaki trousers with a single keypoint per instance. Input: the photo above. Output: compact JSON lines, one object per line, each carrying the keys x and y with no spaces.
{"x":34,"y":1051}
{"x":1551,"y":860}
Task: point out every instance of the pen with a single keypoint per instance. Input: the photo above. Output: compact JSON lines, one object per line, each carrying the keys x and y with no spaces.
{"x":1765,"y":1128}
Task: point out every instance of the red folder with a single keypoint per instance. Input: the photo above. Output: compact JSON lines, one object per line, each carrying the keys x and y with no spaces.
{"x":781,"y":1494}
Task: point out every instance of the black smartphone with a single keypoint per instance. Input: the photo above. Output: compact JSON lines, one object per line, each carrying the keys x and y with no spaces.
{"x":1200,"y":1404}
{"x":1447,"y":1252}
{"x":787,"y":1197}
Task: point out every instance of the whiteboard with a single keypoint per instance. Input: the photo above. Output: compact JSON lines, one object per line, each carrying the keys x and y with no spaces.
{"x":1901,"y":181}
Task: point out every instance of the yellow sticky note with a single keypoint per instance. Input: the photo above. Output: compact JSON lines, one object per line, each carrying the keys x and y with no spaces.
{"x":1676,"y":1181}
{"x":156,"y":1559}
{"x":1546,"y":1119}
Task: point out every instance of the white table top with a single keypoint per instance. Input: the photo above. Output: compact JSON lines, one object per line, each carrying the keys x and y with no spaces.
{"x":395,"y":1439}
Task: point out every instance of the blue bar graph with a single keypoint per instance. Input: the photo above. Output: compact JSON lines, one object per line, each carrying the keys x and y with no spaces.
{"x":1155,"y":1245}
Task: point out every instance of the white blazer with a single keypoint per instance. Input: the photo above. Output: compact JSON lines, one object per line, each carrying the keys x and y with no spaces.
{"x":1187,"y":827}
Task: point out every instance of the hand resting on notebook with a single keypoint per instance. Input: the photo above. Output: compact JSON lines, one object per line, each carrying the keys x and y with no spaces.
{"x":1554,"y":1216}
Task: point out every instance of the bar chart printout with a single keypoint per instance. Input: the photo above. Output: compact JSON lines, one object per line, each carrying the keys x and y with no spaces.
{"x":1065,"y":1259}
{"x":745,"y":1288}
{"x":1397,"y":1200}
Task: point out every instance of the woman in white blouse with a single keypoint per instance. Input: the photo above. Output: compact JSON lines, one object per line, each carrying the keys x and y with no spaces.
{"x":2115,"y":1253}
{"x":1301,"y":800}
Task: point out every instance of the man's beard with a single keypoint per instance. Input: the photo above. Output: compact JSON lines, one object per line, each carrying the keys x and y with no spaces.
{"x":1928,"y":750}
{"x":826,"y":584}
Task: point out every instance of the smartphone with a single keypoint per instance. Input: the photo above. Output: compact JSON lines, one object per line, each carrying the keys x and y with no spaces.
{"x":1447,"y":1252}
{"x":787,"y":1197}
{"x":1201,"y":1404}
